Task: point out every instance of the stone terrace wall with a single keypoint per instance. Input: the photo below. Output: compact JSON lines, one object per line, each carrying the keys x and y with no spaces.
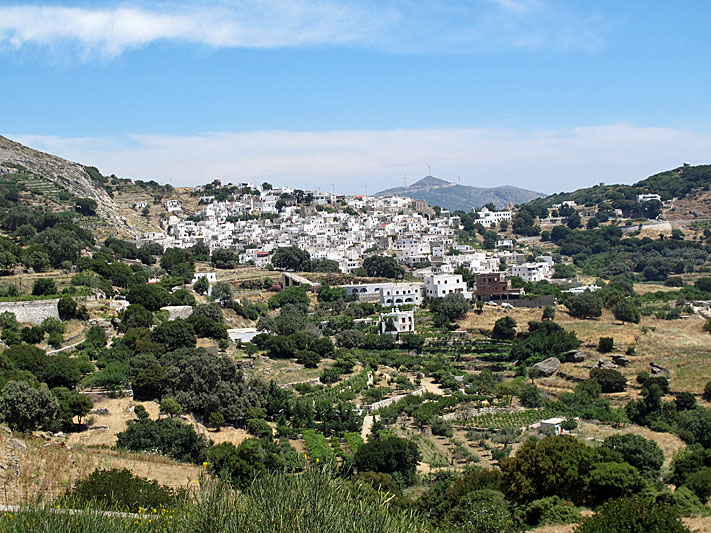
{"x":35,"y":311}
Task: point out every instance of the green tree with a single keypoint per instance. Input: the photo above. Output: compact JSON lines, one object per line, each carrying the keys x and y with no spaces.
{"x":152,"y":297}
{"x":168,"y":436}
{"x":389,"y":456}
{"x":201,"y":285}
{"x":605,"y":344}
{"x":530,"y":396}
{"x":27,"y":357}
{"x":634,"y":515}
{"x":25,"y":408}
{"x":61,"y":371}
{"x":71,"y":404}
{"x":586,"y":305}
{"x":295,"y":295}
{"x":217,"y":420}
{"x":645,"y":455}
{"x":43,"y":287}
{"x":383,"y":267}
{"x":292,"y":258}
{"x":259,"y":427}
{"x":482,"y":511}
{"x":610,"y":480}
{"x":33,"y":335}
{"x":135,"y":316}
{"x":171,"y":408}
{"x":224,"y":258}
{"x":222,"y":293}
{"x":548,"y":313}
{"x":626,"y":311}
{"x":610,"y":380}
{"x":552,"y":466}
{"x":452,"y":307}
{"x":699,"y":483}
{"x":121,"y":490}
{"x":174,"y":334}
{"x":504,"y":328}
{"x":96,"y":336}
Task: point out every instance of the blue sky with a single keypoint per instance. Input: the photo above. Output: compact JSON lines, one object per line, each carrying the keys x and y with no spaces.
{"x":545,"y":94}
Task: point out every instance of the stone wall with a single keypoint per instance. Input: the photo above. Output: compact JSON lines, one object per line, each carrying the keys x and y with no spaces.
{"x":178,"y":311}
{"x":34,"y":311}
{"x":387,"y":401}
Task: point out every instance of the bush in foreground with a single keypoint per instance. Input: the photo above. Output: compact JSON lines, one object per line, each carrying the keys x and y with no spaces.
{"x":119,"y":489}
{"x":634,"y":515}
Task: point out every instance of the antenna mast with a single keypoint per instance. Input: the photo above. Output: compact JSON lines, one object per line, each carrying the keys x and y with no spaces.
{"x":429,"y":168}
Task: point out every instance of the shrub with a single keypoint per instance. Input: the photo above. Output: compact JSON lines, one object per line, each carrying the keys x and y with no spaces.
{"x":167,"y":436}
{"x":609,"y":380}
{"x":33,"y":335}
{"x":392,"y":455}
{"x":441,"y":427}
{"x":699,"y":483}
{"x":55,"y":339}
{"x":259,"y":427}
{"x":605,"y":344}
{"x":52,"y":325}
{"x":586,"y":305}
{"x":707,"y":391}
{"x":530,"y":396}
{"x":504,"y":329}
{"x":634,"y":515}
{"x":96,"y":336}
{"x":119,"y":489}
{"x":44,"y":287}
{"x":612,"y":480}
{"x":25,"y":408}
{"x":550,"y":511}
{"x":645,"y":455}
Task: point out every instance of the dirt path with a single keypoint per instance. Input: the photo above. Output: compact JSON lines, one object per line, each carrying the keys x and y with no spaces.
{"x":431,"y":386}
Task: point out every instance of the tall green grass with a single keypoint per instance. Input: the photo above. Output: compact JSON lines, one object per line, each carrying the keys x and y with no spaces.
{"x":312,"y":502}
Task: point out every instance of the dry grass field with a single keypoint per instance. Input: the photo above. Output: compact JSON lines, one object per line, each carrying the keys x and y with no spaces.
{"x":41,"y":468}
{"x":681,"y":345}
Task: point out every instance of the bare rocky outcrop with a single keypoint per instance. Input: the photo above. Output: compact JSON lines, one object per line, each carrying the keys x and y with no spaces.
{"x":71,"y":176}
{"x":606,"y":364}
{"x":575,"y":357}
{"x":547,"y":367}
{"x":620,"y":360}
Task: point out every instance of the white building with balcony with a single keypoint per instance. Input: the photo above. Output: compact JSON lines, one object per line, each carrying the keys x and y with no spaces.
{"x":441,"y":285}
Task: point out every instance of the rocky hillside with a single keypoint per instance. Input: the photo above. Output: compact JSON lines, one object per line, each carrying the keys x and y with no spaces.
{"x":453,"y":196}
{"x":70,"y":176}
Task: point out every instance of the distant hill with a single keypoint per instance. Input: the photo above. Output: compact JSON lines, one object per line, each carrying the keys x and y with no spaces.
{"x":683,"y":182}
{"x":452,"y":196}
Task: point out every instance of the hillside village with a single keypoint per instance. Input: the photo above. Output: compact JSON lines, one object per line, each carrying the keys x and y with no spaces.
{"x":429,"y":356}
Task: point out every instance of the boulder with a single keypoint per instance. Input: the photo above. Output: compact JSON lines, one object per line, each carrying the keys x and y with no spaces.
{"x":547,"y":367}
{"x":606,"y":363}
{"x":657,"y":370}
{"x":575,"y":357}
{"x":620,"y":359}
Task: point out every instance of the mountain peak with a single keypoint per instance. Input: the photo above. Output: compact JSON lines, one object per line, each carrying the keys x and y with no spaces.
{"x":430,"y":181}
{"x":452,"y":196}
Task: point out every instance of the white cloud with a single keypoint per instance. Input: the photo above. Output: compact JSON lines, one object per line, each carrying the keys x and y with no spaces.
{"x":546,"y":160}
{"x":463,"y":26}
{"x":250,"y":24}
